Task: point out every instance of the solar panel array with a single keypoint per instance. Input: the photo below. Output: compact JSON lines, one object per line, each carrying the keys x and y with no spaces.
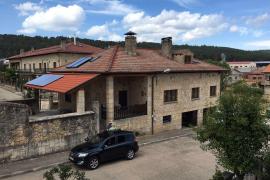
{"x":45,"y":79}
{"x":79,"y":62}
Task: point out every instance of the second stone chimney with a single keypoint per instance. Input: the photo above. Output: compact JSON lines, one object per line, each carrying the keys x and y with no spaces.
{"x":166,"y":47}
{"x":130,"y":43}
{"x":21,"y":51}
{"x":63,"y":44}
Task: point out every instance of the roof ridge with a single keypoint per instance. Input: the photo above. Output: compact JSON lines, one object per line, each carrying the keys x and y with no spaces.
{"x":113,"y":57}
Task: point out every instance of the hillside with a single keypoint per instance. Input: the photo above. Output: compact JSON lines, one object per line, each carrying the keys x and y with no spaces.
{"x":11,"y":44}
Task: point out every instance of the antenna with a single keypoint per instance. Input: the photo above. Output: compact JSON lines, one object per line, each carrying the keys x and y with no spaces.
{"x":74,"y":39}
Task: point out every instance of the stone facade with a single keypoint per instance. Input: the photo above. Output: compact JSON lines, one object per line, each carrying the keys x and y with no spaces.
{"x":105,"y":90}
{"x":59,"y":59}
{"x":22,"y":137}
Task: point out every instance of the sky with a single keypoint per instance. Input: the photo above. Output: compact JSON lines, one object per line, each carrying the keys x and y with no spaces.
{"x":242,"y":24}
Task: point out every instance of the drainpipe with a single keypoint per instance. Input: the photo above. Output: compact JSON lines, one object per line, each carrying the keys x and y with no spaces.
{"x":152,"y":106}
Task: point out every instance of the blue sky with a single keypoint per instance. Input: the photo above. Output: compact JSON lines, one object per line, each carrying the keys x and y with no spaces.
{"x":243,"y":24}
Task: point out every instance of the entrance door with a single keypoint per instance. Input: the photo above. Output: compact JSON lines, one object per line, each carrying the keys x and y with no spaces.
{"x":189,"y":118}
{"x":123,"y":98}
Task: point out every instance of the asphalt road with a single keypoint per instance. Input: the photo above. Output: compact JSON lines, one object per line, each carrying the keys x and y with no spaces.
{"x":7,"y":95}
{"x":178,"y":159}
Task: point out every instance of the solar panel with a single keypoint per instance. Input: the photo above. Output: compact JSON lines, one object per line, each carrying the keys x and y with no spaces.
{"x":45,"y":79}
{"x":79,"y":62}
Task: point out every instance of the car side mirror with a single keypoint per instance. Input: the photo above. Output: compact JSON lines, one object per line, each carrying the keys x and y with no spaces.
{"x":86,"y":139}
{"x":105,"y":146}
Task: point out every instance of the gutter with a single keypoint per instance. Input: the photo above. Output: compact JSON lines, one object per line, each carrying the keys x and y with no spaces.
{"x":152,"y":105}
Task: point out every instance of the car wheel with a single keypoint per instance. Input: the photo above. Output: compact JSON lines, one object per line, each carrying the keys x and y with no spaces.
{"x":130,"y":154}
{"x":93,"y":163}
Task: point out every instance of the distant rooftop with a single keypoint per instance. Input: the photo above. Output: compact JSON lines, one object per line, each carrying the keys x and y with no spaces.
{"x":79,"y":48}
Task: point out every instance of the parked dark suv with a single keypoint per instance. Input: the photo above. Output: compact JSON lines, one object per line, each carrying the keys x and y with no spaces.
{"x":105,"y":146}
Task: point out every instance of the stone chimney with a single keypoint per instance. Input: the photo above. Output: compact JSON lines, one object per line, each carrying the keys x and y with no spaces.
{"x":63,"y":44}
{"x":183,"y":56}
{"x":166,"y":47}
{"x":130,"y":43}
{"x":21,"y":51}
{"x":32,"y":48}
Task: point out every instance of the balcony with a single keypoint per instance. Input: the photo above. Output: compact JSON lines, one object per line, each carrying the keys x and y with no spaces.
{"x":126,"y":112}
{"x":33,"y":71}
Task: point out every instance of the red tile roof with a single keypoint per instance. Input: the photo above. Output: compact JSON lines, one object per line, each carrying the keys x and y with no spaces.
{"x":116,"y":60}
{"x":66,"y":83}
{"x":267,"y":69}
{"x":80,"y":48}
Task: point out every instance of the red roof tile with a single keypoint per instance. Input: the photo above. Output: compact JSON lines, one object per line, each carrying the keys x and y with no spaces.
{"x":267,"y":69}
{"x":66,"y":83}
{"x":116,"y":60}
{"x":80,"y":48}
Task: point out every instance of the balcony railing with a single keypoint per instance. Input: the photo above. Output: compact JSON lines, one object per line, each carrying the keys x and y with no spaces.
{"x":126,"y":112}
{"x":33,"y":71}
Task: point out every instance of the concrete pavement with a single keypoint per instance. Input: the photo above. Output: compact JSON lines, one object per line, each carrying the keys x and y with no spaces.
{"x":6,"y":95}
{"x":168,"y":155}
{"x":176,"y":159}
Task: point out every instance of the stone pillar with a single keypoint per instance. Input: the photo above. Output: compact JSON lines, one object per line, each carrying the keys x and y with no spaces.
{"x":149,"y":101}
{"x":80,"y":100}
{"x":50,"y":101}
{"x":200,"y":117}
{"x":96,"y":109}
{"x":109,"y":100}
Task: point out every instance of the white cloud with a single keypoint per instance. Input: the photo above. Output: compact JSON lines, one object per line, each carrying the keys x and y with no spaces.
{"x":239,"y":29}
{"x":258,"y":20}
{"x":186,"y":3}
{"x":110,"y":7}
{"x":183,"y":26}
{"x":246,"y":31}
{"x":58,"y":18}
{"x":102,"y":32}
{"x":27,"y":8}
{"x":263,"y":44}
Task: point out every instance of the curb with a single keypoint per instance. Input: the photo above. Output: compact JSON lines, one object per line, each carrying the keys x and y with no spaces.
{"x":16,"y":173}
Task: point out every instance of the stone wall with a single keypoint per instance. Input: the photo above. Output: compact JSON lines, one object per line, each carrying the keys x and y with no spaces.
{"x":22,"y":137}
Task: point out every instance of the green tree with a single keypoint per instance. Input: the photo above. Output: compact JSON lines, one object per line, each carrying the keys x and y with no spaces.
{"x":236,"y":130}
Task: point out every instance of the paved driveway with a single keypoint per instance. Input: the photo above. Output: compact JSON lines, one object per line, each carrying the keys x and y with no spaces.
{"x":7,"y":95}
{"x":178,"y":159}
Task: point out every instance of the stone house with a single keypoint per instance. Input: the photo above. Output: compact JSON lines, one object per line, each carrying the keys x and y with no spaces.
{"x":143,"y":90}
{"x":41,"y":60}
{"x":235,"y":76}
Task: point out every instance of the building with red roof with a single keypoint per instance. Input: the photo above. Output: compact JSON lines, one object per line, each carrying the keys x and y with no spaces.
{"x":137,"y":89}
{"x":37,"y":60}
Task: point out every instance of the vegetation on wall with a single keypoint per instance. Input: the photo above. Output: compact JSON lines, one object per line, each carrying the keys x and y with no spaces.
{"x":11,"y":44}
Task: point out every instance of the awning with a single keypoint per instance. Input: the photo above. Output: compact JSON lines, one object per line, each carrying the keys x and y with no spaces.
{"x":66,"y":83}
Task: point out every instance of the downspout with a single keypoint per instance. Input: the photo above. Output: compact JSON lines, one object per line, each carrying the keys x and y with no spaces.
{"x":152,"y":106}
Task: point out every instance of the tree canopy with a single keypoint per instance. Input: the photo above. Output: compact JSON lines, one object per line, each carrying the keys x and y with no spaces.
{"x":236,"y":130}
{"x":11,"y":44}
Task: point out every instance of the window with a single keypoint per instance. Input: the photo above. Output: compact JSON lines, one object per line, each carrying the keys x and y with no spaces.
{"x":68,"y":97}
{"x":30,"y":67}
{"x":213,"y":90}
{"x":121,"y":139}
{"x":254,"y":78}
{"x":170,"y":95}
{"x":44,"y":65}
{"x":187,"y":59}
{"x":110,"y":142}
{"x":195,"y":93}
{"x":40,"y":66}
{"x":54,"y":64}
{"x":34,"y":66}
{"x":24,"y":66}
{"x":167,"y":119}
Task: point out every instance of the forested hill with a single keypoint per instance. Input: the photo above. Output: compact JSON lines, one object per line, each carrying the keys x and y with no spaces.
{"x":11,"y":44}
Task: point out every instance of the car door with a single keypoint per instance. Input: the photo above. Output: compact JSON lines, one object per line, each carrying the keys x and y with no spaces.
{"x":109,"y":149}
{"x":122,"y":145}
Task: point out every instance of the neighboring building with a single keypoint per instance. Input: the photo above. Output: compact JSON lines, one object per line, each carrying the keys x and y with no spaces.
{"x":235,"y":76}
{"x":249,"y":65}
{"x":266,"y":83}
{"x":138,"y":89}
{"x":41,"y":60}
{"x":255,"y":77}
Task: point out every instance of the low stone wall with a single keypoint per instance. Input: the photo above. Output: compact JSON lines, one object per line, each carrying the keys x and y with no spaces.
{"x":21,"y":137}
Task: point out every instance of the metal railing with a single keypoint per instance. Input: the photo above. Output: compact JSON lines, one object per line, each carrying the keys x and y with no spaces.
{"x":126,"y":112}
